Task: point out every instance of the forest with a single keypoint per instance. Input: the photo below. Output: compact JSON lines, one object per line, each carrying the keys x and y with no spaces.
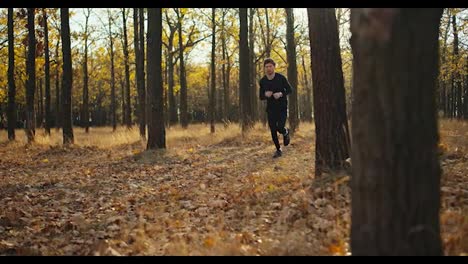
{"x":148,"y":131}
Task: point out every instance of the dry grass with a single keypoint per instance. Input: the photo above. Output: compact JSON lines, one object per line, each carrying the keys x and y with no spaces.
{"x":244,"y":203}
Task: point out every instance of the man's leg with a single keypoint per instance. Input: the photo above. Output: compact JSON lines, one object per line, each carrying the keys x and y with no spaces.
{"x":281,"y":126}
{"x":272,"y":123}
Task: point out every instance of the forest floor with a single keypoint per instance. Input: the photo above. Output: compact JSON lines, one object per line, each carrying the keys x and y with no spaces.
{"x":220,"y":194}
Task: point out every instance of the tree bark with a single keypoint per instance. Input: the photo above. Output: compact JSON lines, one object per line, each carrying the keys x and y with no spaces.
{"x":395,"y":180}
{"x":113,"y":95}
{"x":292,"y":70}
{"x":331,"y":123}
{"x":48,"y":117}
{"x":140,"y":75}
{"x":253,"y":83}
{"x":128,"y":113}
{"x":213,"y":71}
{"x":58,"y":113}
{"x":11,"y":112}
{"x":183,"y":81}
{"x":67,"y":82}
{"x":85,"y":120}
{"x":156,"y":130}
{"x":457,"y":89}
{"x":308,"y":101}
{"x":244,"y":73}
{"x":31,"y":82}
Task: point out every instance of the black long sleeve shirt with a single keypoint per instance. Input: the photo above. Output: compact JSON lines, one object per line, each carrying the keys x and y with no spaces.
{"x":279,"y":83}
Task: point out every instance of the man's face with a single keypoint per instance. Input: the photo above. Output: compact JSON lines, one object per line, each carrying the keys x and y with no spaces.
{"x":269,"y":68}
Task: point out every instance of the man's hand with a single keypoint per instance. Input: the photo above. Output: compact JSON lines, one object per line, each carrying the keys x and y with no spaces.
{"x":278,"y":95}
{"x":268,"y":94}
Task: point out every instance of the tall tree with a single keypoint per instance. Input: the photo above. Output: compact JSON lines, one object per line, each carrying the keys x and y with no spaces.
{"x":443,"y":58}
{"x":67,"y":81}
{"x":31,"y":82}
{"x":138,"y":37}
{"x":142,"y":61}
{"x":11,"y":77}
{"x":213,"y":71}
{"x":252,"y":63}
{"x":173,"y":28}
{"x":223,"y":69}
{"x":244,"y":72}
{"x":58,"y":113}
{"x":128,"y":115}
{"x":396,"y":173}
{"x":112,"y":80}
{"x":331,"y":124}
{"x":456,"y":78}
{"x":292,"y":69}
{"x":48,"y":117}
{"x":85,"y":115}
{"x":156,"y":131}
{"x":182,"y":77}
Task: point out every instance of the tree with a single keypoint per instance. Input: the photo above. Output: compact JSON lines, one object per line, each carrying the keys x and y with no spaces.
{"x":85,"y":73}
{"x":173,"y":27}
{"x":292,"y":69}
{"x":183,"y":81}
{"x":67,"y":81}
{"x":156,"y":131}
{"x":138,"y":38}
{"x":457,"y":109}
{"x":11,"y":77}
{"x":252,"y":65}
{"x":128,"y":116}
{"x":395,"y":180}
{"x":31,"y":83}
{"x":213,"y":71}
{"x":112,"y":80}
{"x":244,"y":72}
{"x":331,"y":124}
{"x":48,"y":118}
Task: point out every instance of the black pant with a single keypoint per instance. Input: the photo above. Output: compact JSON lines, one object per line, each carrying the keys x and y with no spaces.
{"x":277,"y":121}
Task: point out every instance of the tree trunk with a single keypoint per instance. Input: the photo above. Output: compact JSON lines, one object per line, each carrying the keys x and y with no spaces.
{"x":253,"y":83}
{"x":443,"y":82}
{"x":331,"y":123}
{"x":142,"y":55}
{"x":213,"y":71}
{"x":58,"y":113}
{"x":223,"y":70}
{"x":31,"y":82}
{"x":85,"y":120}
{"x":244,"y":73}
{"x":170,"y":83}
{"x":122,"y":93}
{"x":183,"y":80}
{"x":156,"y":131}
{"x":292,"y":70}
{"x":67,"y":82}
{"x":11,"y":112}
{"x":396,"y":173}
{"x":48,"y":118}
{"x":113,"y":95}
{"x":308,"y":99}
{"x":40,"y":104}
{"x":140,"y":75}
{"x":457,"y":95}
{"x":128,"y":114}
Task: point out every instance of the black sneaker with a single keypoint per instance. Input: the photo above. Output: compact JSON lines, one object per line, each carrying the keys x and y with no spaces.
{"x":278,"y":153}
{"x":286,"y":137}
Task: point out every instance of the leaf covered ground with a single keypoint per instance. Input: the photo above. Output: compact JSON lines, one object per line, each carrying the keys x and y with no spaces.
{"x":206,"y":194}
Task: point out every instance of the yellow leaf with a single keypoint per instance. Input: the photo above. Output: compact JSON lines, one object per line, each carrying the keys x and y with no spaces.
{"x":209,"y":242}
{"x":190,"y":150}
{"x":45,"y":160}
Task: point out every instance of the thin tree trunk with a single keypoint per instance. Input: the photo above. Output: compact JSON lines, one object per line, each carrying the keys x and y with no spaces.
{"x":67,"y":82}
{"x":11,"y":78}
{"x":244,"y":73}
{"x":213,"y":71}
{"x":128,"y":114}
{"x":183,"y":80}
{"x":58,"y":113}
{"x":253,"y":83}
{"x":85,"y":120}
{"x":31,"y":82}
{"x":292,"y":70}
{"x":48,"y":118}
{"x":113,"y":95}
{"x":137,"y":37}
{"x":308,"y":99}
{"x":223,"y":70}
{"x":395,"y":181}
{"x":457,"y":89}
